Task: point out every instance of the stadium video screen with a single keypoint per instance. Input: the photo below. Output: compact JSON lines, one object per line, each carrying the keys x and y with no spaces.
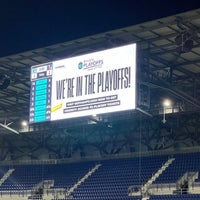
{"x":90,"y":84}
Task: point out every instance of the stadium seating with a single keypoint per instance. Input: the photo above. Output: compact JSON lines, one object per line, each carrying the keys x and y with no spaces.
{"x":183,"y":163}
{"x":110,"y":181}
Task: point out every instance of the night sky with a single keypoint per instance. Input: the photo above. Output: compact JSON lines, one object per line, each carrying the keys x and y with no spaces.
{"x":31,"y":24}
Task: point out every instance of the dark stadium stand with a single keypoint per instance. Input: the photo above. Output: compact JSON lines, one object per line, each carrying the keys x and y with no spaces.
{"x":115,"y":176}
{"x":176,"y":197}
{"x":110,"y":181}
{"x":27,"y":176}
{"x":184,"y":163}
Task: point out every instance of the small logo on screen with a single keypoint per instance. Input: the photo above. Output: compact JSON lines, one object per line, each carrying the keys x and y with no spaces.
{"x":80,"y":65}
{"x":90,"y":64}
{"x":34,"y":70}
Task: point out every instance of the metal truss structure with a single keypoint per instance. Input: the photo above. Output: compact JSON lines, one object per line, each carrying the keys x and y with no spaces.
{"x":168,"y":57}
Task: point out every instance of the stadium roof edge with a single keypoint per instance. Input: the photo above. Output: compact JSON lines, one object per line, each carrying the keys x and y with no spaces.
{"x":144,"y":26}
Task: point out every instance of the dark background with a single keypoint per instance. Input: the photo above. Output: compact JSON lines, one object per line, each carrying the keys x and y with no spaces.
{"x":30,"y":24}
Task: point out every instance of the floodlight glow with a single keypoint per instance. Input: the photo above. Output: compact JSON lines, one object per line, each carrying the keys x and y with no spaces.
{"x":167,"y":103}
{"x":24,"y":123}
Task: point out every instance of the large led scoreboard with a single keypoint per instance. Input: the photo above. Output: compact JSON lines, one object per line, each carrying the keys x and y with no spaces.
{"x":40,"y":95}
{"x":94,"y":83}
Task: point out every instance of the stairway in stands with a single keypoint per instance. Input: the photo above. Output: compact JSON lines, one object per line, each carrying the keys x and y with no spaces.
{"x":145,"y":187}
{"x":6,"y":175}
{"x":70,"y":191}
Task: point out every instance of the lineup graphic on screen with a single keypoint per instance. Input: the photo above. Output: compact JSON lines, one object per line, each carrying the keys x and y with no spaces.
{"x":95,"y":83}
